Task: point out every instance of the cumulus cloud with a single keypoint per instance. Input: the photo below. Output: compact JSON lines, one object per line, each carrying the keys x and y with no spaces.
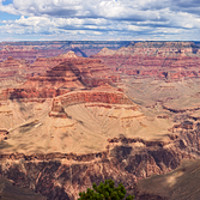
{"x":104,"y":19}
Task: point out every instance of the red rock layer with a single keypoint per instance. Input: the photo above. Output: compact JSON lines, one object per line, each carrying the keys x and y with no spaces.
{"x":71,"y":73}
{"x":13,"y":68}
{"x":164,"y":60}
{"x":27,"y":52}
{"x":33,"y":50}
{"x":94,"y":96}
{"x":30,"y":93}
{"x":41,"y":65}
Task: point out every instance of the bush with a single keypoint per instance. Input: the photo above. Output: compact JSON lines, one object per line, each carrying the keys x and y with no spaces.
{"x":105,"y":191}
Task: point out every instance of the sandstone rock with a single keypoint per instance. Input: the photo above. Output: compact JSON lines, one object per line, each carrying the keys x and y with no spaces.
{"x":174,"y":186}
{"x":3,"y":134}
{"x":94,"y":97}
{"x":165,"y":60}
{"x":72,"y":121}
{"x":10,"y":192}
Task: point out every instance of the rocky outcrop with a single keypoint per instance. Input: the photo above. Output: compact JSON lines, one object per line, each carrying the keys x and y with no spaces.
{"x":63,"y":75}
{"x":62,"y":176}
{"x":13,"y":68}
{"x":103,"y":96}
{"x":94,"y":97}
{"x":163,"y":60}
{"x":106,"y":52}
{"x":30,"y":93}
{"x":72,"y":73}
{"x":3,"y":134}
{"x":176,"y":185}
{"x":176,"y":110}
{"x":9,"y":191}
{"x":41,"y":65}
{"x":57,"y":109}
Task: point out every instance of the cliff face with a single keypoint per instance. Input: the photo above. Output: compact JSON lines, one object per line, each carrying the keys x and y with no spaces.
{"x":162,"y":60}
{"x":69,"y":73}
{"x":126,"y":114}
{"x":41,"y":65}
{"x":10,"y":192}
{"x":175,"y":185}
{"x":34,"y":50}
{"x":95,"y":96}
{"x":13,"y":71}
{"x":62,"y":176}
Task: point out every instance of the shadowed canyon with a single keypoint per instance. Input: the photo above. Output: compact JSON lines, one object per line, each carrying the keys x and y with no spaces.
{"x":74,"y":113}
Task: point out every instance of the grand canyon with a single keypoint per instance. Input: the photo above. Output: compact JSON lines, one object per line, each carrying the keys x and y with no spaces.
{"x":75,"y":113}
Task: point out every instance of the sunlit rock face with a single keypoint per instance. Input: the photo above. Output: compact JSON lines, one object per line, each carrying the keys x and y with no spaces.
{"x":33,"y":50}
{"x":178,"y":184}
{"x":162,"y":60}
{"x":67,"y":121}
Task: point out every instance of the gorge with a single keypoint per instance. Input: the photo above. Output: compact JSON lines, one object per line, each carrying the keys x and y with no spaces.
{"x":74,"y":113}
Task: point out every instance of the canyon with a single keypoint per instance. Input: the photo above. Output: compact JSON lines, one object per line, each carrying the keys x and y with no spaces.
{"x":33,"y":50}
{"x":75,"y":113}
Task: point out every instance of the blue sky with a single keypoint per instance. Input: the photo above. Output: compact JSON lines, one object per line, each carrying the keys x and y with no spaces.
{"x":99,"y":20}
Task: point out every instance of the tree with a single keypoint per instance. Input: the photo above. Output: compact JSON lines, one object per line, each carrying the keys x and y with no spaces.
{"x":105,"y":191}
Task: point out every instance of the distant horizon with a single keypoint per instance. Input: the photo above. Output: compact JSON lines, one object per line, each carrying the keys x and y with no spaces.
{"x":18,"y":41}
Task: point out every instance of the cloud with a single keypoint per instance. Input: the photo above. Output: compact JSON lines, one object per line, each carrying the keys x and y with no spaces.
{"x":104,"y":18}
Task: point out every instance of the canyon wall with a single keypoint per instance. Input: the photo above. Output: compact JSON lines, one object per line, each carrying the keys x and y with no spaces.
{"x":125,"y":113}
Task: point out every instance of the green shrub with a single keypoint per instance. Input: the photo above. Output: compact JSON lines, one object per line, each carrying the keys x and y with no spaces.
{"x":105,"y":191}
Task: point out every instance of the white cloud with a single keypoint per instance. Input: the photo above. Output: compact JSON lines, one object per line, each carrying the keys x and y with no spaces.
{"x":104,"y":18}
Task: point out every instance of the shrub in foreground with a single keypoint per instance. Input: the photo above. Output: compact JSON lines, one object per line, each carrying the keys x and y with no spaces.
{"x":105,"y":191}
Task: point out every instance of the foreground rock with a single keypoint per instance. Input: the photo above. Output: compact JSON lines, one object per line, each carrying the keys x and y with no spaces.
{"x":126,"y":160}
{"x":180,"y":184}
{"x":9,"y":191}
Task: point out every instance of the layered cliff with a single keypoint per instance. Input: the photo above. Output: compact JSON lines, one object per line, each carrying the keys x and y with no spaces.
{"x":126,"y":160}
{"x":13,"y":72}
{"x":41,"y":65}
{"x":124,"y":114}
{"x":42,"y":49}
{"x":61,"y":74}
{"x":163,"y":60}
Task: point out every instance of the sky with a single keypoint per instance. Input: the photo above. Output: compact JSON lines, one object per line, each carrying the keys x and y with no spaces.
{"x":135,"y":20}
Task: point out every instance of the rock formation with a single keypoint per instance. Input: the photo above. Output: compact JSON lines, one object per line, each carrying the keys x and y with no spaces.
{"x":163,"y":60}
{"x":68,"y":121}
{"x":182,"y":183}
{"x":10,"y":192}
{"x":33,"y":50}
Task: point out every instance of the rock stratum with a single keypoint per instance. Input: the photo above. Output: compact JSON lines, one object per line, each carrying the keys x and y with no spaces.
{"x":34,"y":50}
{"x":161,"y":60}
{"x":125,"y":113}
